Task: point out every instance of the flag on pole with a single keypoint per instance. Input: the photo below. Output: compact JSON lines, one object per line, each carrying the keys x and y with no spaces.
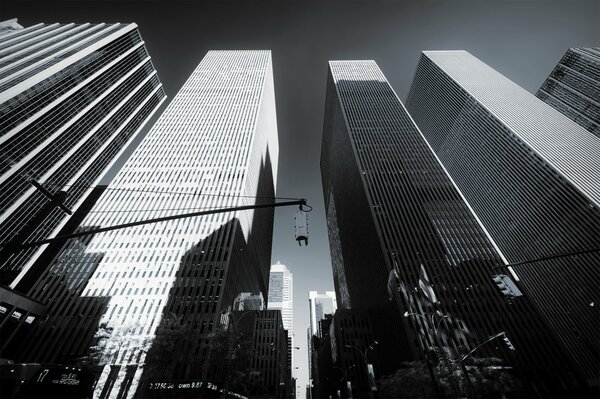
{"x":392,"y":284}
{"x":425,"y":285}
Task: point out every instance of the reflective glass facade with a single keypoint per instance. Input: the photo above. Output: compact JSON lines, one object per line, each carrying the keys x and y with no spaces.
{"x":72,"y":96}
{"x":215,"y":146}
{"x":573,"y":87}
{"x":531,"y":176}
{"x":394,"y":207}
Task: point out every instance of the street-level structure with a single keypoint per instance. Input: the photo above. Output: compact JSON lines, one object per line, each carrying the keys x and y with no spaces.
{"x":72,"y":97}
{"x":151,"y":298}
{"x":531,"y":175}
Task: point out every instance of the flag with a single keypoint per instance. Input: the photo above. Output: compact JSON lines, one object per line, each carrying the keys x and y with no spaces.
{"x":425,"y":285}
{"x":392,"y":284}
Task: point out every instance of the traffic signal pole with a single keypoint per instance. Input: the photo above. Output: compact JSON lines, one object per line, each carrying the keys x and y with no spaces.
{"x":15,"y":246}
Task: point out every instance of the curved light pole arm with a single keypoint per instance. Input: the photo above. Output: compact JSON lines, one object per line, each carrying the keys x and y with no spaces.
{"x":493,"y":337}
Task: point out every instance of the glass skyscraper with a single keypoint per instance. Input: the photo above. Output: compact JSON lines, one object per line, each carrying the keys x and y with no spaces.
{"x":573,"y":87}
{"x":215,"y":146}
{"x":405,"y":242}
{"x":531,"y":175}
{"x":72,"y":97}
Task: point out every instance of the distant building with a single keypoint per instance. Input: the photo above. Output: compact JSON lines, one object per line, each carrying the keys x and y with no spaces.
{"x":135,"y":289}
{"x":249,"y":301}
{"x":351,"y":336}
{"x":72,"y":97}
{"x":281,"y":294}
{"x":267,"y":373}
{"x":319,"y":306}
{"x":531,"y":175}
{"x":573,"y":87}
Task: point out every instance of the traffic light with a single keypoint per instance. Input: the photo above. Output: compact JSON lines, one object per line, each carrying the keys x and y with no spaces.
{"x":508,"y":343}
{"x":506,"y":285}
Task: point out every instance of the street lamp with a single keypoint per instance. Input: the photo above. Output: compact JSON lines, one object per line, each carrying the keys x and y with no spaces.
{"x":364,"y":355}
{"x":436,"y":326}
{"x":491,"y":338}
{"x":439,"y":345}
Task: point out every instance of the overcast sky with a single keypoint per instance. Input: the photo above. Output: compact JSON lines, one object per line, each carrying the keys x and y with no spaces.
{"x":521,"y":39}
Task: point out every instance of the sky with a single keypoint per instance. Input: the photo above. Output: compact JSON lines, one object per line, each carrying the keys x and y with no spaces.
{"x":521,"y":39}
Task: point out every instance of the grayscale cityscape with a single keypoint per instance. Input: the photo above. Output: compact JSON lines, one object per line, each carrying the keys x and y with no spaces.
{"x":311,"y":199}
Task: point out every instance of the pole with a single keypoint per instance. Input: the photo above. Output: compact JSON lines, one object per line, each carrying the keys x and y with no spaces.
{"x":364,"y":355}
{"x":455,"y":386}
{"x":16,"y":246}
{"x":463,"y":367}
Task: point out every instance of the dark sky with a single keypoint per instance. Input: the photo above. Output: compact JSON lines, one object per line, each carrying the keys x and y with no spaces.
{"x":521,"y":39}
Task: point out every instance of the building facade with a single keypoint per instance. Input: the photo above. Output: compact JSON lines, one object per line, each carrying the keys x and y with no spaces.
{"x":267,"y":372}
{"x":72,"y":97}
{"x":281,"y":294}
{"x":573,"y":87}
{"x":407,"y":247}
{"x":320,"y":305}
{"x":531,"y":176}
{"x":150,"y":298}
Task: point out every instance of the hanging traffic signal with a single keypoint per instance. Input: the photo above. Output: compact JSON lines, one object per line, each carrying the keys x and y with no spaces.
{"x":509,"y":344}
{"x":507,"y":286}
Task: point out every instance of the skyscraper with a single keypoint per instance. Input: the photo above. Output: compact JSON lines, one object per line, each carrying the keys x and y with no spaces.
{"x":215,"y":146}
{"x":320,"y":305}
{"x":531,"y":175}
{"x":72,"y":97}
{"x":573,"y":87}
{"x":281,"y":293}
{"x":281,"y":290}
{"x":406,"y":246}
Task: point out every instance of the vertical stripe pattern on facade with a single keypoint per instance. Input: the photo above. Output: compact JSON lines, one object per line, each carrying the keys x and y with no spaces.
{"x":532,"y":177}
{"x":215,"y":146}
{"x":72,"y":96}
{"x":397,"y":208}
{"x":573,"y":87}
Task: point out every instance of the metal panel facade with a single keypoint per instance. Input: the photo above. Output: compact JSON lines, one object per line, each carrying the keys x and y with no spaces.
{"x":532,"y":177}
{"x":396,"y":207}
{"x":214,"y":146}
{"x":72,"y":96}
{"x":573,"y":87}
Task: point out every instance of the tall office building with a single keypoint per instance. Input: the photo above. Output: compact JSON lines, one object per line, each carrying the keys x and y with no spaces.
{"x":215,"y":146}
{"x":319,"y":305}
{"x":281,"y":296}
{"x":530,"y":175}
{"x":392,"y":210}
{"x":573,"y":87}
{"x":72,"y":97}
{"x":281,"y":293}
